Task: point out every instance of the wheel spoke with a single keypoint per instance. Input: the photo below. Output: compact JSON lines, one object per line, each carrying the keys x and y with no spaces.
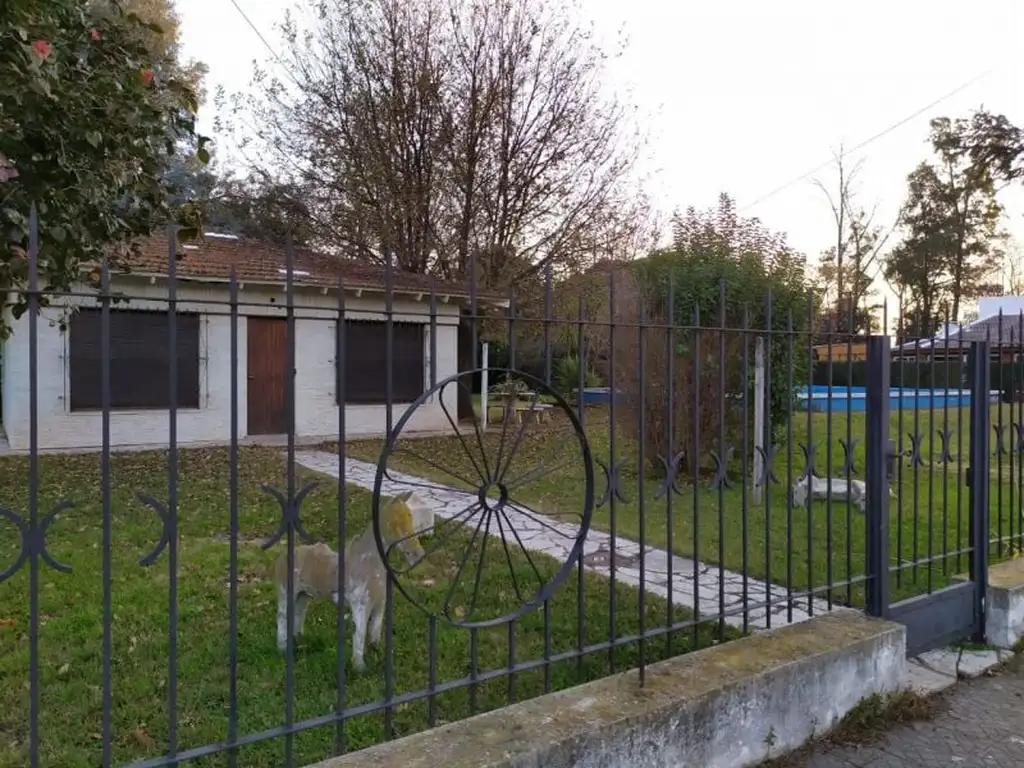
{"x":479,"y":568}
{"x":501,"y":442}
{"x":508,"y":558}
{"x":479,"y":437}
{"x":436,"y":544}
{"x":542,"y":470}
{"x":462,"y":565}
{"x":484,"y":477}
{"x":519,"y":437}
{"x":437,"y":486}
{"x":526,"y":552}
{"x":522,"y":509}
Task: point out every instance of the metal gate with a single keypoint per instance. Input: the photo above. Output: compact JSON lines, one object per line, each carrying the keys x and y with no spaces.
{"x":945,"y":613}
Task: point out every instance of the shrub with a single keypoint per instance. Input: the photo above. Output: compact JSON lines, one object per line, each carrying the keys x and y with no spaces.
{"x":567,"y":375}
{"x":510,"y":388}
{"x":722,"y":271}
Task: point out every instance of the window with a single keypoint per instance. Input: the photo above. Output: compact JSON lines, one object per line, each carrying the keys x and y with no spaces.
{"x":139,"y":360}
{"x":366,"y":362}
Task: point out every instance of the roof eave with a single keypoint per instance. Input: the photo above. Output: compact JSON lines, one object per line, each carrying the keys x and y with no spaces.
{"x":419,"y":294}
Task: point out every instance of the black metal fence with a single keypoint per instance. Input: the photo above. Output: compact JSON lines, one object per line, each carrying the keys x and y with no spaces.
{"x":701,"y":492}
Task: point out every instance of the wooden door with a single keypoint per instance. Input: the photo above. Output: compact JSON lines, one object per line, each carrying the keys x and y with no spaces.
{"x":267,"y":369}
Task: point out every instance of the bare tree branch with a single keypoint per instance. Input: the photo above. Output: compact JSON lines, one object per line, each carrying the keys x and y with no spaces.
{"x":434,"y":131}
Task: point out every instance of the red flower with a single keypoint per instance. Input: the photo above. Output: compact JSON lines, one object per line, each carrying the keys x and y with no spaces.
{"x":94,"y":34}
{"x":147,"y":75}
{"x":42,"y":48}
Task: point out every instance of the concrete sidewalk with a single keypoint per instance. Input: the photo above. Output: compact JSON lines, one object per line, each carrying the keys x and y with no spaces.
{"x":982,"y":725}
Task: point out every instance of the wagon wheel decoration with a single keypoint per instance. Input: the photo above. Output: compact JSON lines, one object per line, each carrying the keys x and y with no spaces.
{"x":499,"y":513}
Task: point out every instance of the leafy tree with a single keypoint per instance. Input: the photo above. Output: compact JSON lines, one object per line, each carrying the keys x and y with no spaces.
{"x":189,"y":180}
{"x":90,"y":111}
{"x":434,"y":131}
{"x":255,"y":207}
{"x":163,"y":39}
{"x":720,"y":267}
{"x":852,"y":310}
{"x":951,"y":229}
{"x":915,"y":265}
{"x":995,"y":143}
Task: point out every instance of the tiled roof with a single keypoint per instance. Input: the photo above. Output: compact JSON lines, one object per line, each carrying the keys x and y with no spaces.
{"x":213,"y":257}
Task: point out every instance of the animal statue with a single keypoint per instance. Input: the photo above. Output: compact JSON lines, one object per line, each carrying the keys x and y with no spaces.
{"x":316,"y":576}
{"x":814,"y":487}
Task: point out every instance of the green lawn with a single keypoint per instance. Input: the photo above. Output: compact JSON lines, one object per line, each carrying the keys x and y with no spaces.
{"x":786,"y":545}
{"x":71,"y":617}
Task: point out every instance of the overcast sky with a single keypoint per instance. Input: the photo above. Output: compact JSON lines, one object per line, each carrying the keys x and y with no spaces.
{"x":745,"y":96}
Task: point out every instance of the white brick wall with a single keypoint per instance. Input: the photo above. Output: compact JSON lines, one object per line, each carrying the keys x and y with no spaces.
{"x":316,"y":414}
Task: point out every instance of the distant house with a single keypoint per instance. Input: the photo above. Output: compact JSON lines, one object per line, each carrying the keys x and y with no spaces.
{"x":841,"y":352}
{"x":69,"y":350}
{"x":1000,"y":321}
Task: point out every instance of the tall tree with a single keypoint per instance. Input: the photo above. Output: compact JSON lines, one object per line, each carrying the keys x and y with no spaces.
{"x":434,"y":130}
{"x":839,"y":203}
{"x":853,"y":311}
{"x":715,"y":254}
{"x":915,"y":266}
{"x":162,"y":34}
{"x":1011,"y":270}
{"x":259,"y":208}
{"x":950,"y":219}
{"x":89,"y":112}
{"x":185,"y":175}
{"x":993,"y":142}
{"x":846,"y":270}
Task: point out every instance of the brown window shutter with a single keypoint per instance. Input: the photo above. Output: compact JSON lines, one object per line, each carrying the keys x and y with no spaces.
{"x":366,"y":362}
{"x":139,"y":360}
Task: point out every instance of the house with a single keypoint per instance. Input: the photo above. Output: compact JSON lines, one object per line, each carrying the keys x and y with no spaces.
{"x":1000,"y":321}
{"x":841,"y":352}
{"x":70,"y":364}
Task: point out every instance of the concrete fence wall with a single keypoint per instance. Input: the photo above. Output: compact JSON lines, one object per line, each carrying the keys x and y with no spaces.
{"x":732,"y":705}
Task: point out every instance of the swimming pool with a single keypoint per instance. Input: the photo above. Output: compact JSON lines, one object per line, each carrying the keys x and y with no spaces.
{"x":908,"y":399}
{"x":855,"y":398}
{"x":597,"y":395}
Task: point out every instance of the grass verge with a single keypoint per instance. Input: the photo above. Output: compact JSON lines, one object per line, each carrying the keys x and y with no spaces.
{"x":71,"y":620}
{"x":772,"y":540}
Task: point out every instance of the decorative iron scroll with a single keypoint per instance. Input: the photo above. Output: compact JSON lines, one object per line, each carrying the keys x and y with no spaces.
{"x":290,"y":513}
{"x":613,"y":482}
{"x":33,"y":541}
{"x":810,"y":453}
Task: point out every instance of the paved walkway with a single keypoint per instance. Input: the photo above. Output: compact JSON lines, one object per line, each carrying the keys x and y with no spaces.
{"x":983,"y":725}
{"x":555,"y":539}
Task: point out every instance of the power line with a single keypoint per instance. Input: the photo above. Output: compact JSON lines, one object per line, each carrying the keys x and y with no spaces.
{"x":263,"y":40}
{"x":870,"y":140}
